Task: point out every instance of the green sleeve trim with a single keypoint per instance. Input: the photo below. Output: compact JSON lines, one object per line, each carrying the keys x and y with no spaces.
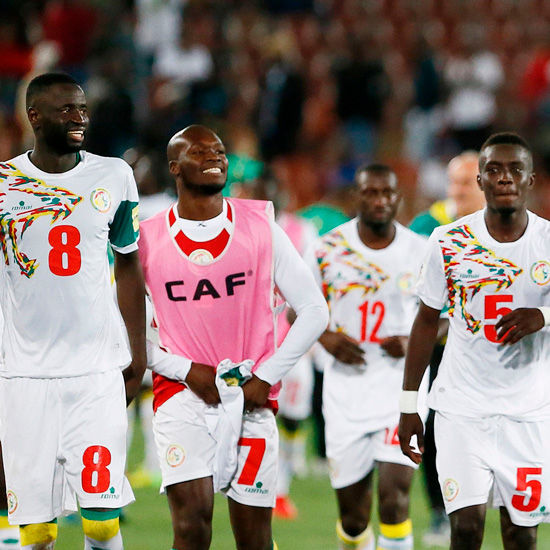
{"x":94,"y":515}
{"x":125,"y":225}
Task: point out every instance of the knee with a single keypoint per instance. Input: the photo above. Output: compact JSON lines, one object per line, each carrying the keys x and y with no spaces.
{"x":255,"y":541}
{"x":39,"y":535}
{"x":100,"y":525}
{"x":354,"y":524}
{"x":520,"y":538}
{"x":192,"y":522}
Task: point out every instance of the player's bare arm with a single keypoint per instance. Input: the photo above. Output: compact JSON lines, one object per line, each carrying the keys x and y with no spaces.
{"x":421,"y":342}
{"x":201,"y":380}
{"x":345,"y":348}
{"x":512,"y":327}
{"x":131,"y":301}
{"x":255,"y":392}
{"x":395,"y":346}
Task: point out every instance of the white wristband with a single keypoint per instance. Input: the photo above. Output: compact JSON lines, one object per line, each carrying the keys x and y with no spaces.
{"x":408,"y":402}
{"x":545,"y":310}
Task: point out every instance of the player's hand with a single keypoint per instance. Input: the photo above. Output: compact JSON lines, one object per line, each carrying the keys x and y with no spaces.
{"x":513,"y":326}
{"x":345,"y":348}
{"x":409,"y":425}
{"x":201,"y":380}
{"x":395,"y":346}
{"x":133,"y":375}
{"x":255,"y":392}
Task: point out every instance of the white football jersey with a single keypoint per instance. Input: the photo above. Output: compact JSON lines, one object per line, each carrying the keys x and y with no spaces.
{"x":483,"y":279}
{"x":371,"y":296}
{"x":61,"y":318}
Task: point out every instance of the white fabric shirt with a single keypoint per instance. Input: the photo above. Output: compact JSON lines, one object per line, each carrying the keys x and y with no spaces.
{"x":371,"y":295}
{"x":61,"y":318}
{"x":484,"y":279}
{"x":295,"y":282}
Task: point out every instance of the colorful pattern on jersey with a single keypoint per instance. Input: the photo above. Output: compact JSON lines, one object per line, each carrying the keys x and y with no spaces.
{"x":479,"y":267}
{"x":57,"y":202}
{"x":369,"y":276}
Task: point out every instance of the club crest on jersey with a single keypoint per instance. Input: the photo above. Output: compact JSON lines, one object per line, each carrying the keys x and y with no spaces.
{"x":405,"y":283}
{"x":201,"y":256}
{"x":42,"y":200}
{"x":12,"y":502}
{"x":469,"y":267}
{"x":101,"y":200}
{"x":175,"y":456}
{"x":450,"y":489}
{"x":540,"y":273}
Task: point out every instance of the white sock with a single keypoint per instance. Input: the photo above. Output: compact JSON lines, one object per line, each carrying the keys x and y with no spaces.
{"x":114,"y":543}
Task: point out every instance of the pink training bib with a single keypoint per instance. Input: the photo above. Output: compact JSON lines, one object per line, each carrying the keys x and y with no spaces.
{"x":212,"y":306}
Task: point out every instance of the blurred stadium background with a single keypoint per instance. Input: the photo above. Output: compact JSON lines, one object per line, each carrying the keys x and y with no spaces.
{"x":301,"y":92}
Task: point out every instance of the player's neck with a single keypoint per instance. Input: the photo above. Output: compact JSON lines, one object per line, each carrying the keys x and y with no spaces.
{"x":376,"y":236}
{"x":506,"y":227}
{"x":52,"y":163}
{"x":200,"y":208}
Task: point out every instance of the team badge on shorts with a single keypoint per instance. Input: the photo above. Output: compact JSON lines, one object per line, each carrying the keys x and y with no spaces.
{"x":201,"y":256}
{"x":540,"y":272}
{"x":12,"y":502}
{"x":450,"y":489}
{"x":175,"y":456}
{"x":101,"y":200}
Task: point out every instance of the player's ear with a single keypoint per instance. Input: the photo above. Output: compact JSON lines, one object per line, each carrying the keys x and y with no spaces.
{"x":173,"y":167}
{"x":478,"y":179}
{"x":32,"y":115}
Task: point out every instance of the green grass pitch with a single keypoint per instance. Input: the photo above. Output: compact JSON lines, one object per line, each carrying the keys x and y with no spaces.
{"x":147,"y":525}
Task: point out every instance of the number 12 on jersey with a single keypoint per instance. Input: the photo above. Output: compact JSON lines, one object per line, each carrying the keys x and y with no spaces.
{"x":374,"y":311}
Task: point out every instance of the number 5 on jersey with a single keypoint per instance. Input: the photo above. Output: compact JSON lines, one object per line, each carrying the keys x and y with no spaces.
{"x":64,"y":258}
{"x":494,"y":310}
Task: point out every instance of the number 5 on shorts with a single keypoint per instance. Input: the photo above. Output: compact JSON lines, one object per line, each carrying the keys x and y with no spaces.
{"x":253,"y":460}
{"x":518,"y":501}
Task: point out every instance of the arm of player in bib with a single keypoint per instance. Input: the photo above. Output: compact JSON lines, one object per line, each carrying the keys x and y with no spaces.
{"x":295,"y":281}
{"x":131,"y":301}
{"x":421,"y":343}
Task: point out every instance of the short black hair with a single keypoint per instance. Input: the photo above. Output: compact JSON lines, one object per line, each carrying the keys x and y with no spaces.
{"x":376,"y":169}
{"x":506,"y":138}
{"x":42,"y":82}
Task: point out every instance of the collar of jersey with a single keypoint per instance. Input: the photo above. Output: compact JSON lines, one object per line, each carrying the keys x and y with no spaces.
{"x":188,"y":239}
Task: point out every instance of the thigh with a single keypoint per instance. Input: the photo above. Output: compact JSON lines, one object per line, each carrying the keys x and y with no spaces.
{"x":522,"y":474}
{"x":255,"y":482}
{"x":465,"y":451}
{"x":185,"y":448}
{"x":93,"y":441}
{"x":30,"y":414}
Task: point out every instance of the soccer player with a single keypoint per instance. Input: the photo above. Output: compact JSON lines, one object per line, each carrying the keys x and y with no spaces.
{"x":211,"y":266}
{"x":464,"y":197}
{"x":64,"y":344}
{"x":367,"y":269}
{"x":491,"y":395}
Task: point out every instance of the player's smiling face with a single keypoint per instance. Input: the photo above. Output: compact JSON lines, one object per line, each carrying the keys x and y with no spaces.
{"x":377,"y":197}
{"x":202,"y":162}
{"x":506,"y":175}
{"x":61,"y":118}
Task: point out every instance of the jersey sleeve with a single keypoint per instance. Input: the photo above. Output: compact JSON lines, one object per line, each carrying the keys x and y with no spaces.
{"x":124,"y":229}
{"x":296,"y":283}
{"x":432,"y":285}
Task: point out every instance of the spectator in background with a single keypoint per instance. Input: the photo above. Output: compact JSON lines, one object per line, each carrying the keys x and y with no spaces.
{"x":472,"y":74}
{"x":72,"y":24}
{"x":363,"y":88}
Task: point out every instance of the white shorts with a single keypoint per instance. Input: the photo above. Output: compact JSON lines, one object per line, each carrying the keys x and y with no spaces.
{"x":350,"y":463}
{"x":62,"y":439}
{"x":510,"y":457}
{"x":297,"y":388}
{"x":186,"y":449}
